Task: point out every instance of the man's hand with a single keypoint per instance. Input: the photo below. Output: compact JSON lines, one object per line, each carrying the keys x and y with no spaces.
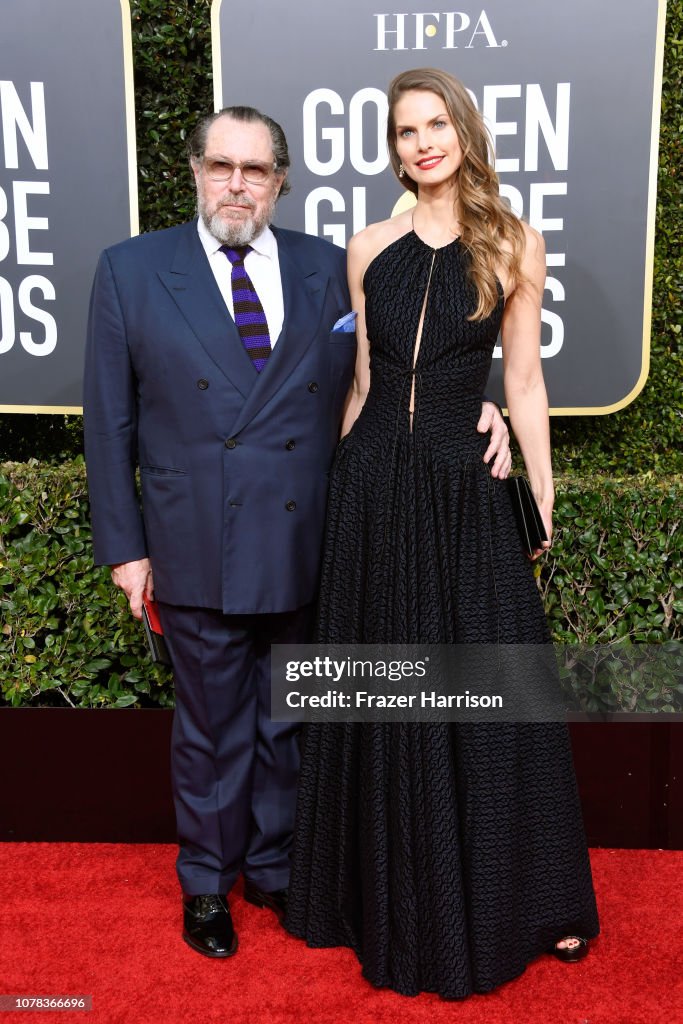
{"x":134,"y":579}
{"x":499,"y":448}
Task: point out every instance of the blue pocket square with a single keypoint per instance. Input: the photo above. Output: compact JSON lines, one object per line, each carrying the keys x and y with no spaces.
{"x":346,"y":324}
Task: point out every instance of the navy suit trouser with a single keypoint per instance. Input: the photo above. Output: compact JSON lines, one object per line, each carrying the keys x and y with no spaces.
{"x":234,"y":772}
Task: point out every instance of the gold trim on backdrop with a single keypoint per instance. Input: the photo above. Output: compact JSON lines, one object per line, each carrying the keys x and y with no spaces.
{"x":129,"y":86}
{"x":649,"y":234}
{"x":67,"y":410}
{"x":216,"y":62}
{"x":129,"y":93}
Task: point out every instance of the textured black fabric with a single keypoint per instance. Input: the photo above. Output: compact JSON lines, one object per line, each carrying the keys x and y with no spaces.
{"x":446,"y":856}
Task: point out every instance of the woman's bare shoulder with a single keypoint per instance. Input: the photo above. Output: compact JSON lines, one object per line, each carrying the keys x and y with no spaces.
{"x":534,"y":245}
{"x":532,"y":257}
{"x":369,"y":243}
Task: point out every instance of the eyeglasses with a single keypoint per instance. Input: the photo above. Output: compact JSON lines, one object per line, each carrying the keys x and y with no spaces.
{"x":252,"y":171}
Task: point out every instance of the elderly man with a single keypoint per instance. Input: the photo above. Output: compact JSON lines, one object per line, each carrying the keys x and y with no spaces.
{"x":213,"y":366}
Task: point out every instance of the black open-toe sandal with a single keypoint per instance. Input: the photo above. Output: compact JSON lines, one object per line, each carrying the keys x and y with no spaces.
{"x":570,"y":954}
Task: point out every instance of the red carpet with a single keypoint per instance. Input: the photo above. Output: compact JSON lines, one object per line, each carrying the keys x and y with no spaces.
{"x":104,"y":920}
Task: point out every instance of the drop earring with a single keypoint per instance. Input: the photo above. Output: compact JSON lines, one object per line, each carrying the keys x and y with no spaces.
{"x":401,"y":171}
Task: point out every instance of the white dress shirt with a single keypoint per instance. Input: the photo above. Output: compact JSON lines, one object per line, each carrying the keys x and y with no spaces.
{"x":263,"y":267}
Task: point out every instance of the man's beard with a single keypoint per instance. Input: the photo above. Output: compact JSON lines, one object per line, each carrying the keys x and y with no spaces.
{"x":239,"y":232}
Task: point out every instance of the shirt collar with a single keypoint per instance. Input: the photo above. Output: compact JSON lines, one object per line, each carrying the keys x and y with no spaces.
{"x":264,"y":243}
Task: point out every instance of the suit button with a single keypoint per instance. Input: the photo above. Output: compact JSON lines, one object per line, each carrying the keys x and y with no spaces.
{"x":231,"y":443}
{"x":290,"y":445}
{"x":313,"y":387}
{"x":290,"y":506}
{"x":202,"y":384}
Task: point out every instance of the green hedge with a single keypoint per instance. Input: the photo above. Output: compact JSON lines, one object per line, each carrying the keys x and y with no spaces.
{"x":67,"y":637}
{"x":172,"y":61}
{"x":614,"y":573}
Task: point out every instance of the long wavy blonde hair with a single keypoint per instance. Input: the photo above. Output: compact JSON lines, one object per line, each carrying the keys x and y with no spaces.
{"x":486,"y":219}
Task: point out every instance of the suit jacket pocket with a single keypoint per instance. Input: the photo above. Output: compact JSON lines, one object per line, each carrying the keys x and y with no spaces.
{"x":161,"y":471}
{"x":343,"y":338}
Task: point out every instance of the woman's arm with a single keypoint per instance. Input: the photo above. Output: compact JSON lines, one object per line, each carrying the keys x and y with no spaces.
{"x":356,"y":261}
{"x":525,"y":393}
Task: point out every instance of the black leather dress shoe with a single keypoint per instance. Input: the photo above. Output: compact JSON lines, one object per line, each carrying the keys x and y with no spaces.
{"x":207,"y":925}
{"x":275,"y":901}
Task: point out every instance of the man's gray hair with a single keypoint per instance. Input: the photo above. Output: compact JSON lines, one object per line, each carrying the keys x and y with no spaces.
{"x":196,"y":143}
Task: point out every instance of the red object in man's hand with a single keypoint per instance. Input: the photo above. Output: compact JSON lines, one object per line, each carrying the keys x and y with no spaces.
{"x":154,"y":632}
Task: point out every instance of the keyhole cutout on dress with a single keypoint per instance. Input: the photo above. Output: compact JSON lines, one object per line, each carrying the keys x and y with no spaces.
{"x":418,"y":340}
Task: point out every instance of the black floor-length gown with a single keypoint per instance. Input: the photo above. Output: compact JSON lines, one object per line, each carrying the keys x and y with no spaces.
{"x":446,"y":855}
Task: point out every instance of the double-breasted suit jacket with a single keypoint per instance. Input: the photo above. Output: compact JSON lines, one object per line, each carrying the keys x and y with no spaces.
{"x":233,"y":464}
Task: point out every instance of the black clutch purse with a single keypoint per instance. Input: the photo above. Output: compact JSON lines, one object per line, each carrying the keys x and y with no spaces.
{"x":529,"y":521}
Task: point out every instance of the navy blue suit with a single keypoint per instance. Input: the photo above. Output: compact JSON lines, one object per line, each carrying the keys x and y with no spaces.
{"x":233,"y":472}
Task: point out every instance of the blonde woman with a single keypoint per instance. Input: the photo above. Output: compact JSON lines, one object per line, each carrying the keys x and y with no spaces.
{"x":448,"y":856}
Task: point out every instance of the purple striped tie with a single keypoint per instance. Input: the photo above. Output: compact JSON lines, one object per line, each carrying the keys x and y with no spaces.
{"x":250,"y":318}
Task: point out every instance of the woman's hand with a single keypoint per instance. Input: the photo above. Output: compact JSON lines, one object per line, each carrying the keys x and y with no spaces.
{"x":545,"y":507}
{"x":498,"y":452}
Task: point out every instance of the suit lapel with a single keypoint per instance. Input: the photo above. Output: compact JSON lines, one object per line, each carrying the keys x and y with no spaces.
{"x":193,"y":288}
{"x":303,"y":290}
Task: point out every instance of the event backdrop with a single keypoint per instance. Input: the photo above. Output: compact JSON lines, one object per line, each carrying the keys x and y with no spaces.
{"x":571,"y":94}
{"x":67,"y":186}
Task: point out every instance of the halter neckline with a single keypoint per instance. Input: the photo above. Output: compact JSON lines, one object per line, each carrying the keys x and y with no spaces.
{"x":434,"y":248}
